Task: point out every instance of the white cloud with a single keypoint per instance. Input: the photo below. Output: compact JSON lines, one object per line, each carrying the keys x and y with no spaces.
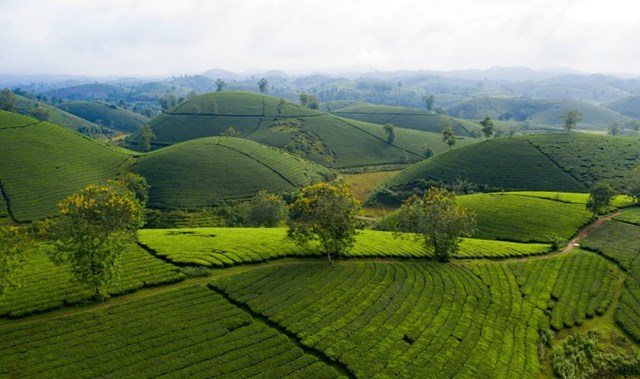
{"x":189,"y":36}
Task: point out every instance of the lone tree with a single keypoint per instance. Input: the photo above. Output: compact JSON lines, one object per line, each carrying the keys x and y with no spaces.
{"x":487,"y":127}
{"x":437,"y":221}
{"x":632,"y":181}
{"x":143,"y":137}
{"x":13,"y":241}
{"x":7,"y":100}
{"x":314,"y":103}
{"x":449,"y":137}
{"x":267,"y":209}
{"x":429,"y":100}
{"x":324,"y":212}
{"x":220,"y":84}
{"x":600,"y":195}
{"x":263,"y":85}
{"x":94,"y":227}
{"x":304,"y":99}
{"x":571,"y":118}
{"x":389,"y":128}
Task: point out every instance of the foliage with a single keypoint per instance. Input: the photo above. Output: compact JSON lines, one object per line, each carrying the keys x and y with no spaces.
{"x":13,"y":242}
{"x":220,"y":84}
{"x":582,"y":356}
{"x":263,"y":85}
{"x":143,"y":138}
{"x":487,"y":127}
{"x":7,"y":100}
{"x":40,"y":113}
{"x":94,"y":227}
{"x":189,"y":331}
{"x":632,"y":181}
{"x":449,"y":137}
{"x":267,"y":209}
{"x":327,"y":213}
{"x":570,"y":118}
{"x":600,"y":196}
{"x":437,"y":220}
{"x":389,"y":129}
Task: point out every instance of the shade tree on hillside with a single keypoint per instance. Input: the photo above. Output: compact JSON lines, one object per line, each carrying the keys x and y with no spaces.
{"x":326,"y":213}
{"x":429,"y":100}
{"x":220,"y":84}
{"x":389,"y":129}
{"x":93,"y":228}
{"x":449,"y":137}
{"x":437,"y":220}
{"x":267,"y":209}
{"x":632,"y":184}
{"x":600,"y":195}
{"x":263,"y":85}
{"x":487,"y":127}
{"x":570,"y":118}
{"x":40,"y":113}
{"x":614,"y":129}
{"x":304,"y":99}
{"x":7,"y":100}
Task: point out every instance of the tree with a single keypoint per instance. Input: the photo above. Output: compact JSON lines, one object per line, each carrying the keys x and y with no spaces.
{"x":487,"y":127}
{"x":324,"y":212}
{"x":635,"y":125}
{"x":13,"y":241}
{"x":389,"y":128}
{"x":263,"y":85}
{"x":427,"y":152}
{"x":229,"y":132}
{"x":144,"y":137}
{"x":220,"y":84}
{"x":267,"y":209}
{"x":449,"y":137}
{"x":7,"y":100}
{"x":437,"y":221}
{"x":570,"y":118}
{"x":304,"y":99}
{"x":167,"y":102}
{"x":614,"y":129}
{"x":314,"y":103}
{"x":40,"y":113}
{"x":632,"y":181}
{"x":429,"y":100}
{"x":600,"y":195}
{"x":94,"y":227}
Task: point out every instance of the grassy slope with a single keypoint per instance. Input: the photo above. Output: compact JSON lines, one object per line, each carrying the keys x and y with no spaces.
{"x":112,"y":117}
{"x":200,"y":172}
{"x":557,"y":162}
{"x":409,"y":118}
{"x":59,"y":117}
{"x":537,"y":111}
{"x":323,"y":138}
{"x":43,"y":163}
{"x":628,"y":106}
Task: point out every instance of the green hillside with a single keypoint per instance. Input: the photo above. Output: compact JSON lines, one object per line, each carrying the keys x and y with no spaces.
{"x":326,"y":139}
{"x":42,"y":163}
{"x":105,"y":114}
{"x":546,"y":112}
{"x":410,"y":118}
{"x":569,"y":162}
{"x":202,"y":172}
{"x":628,"y":106}
{"x":59,"y":117}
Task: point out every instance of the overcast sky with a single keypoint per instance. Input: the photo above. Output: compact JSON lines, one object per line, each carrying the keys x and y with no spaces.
{"x":168,"y":37}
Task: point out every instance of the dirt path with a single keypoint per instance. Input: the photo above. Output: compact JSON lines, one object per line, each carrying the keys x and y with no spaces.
{"x":587,"y":229}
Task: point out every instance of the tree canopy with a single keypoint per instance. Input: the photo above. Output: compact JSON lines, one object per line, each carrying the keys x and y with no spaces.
{"x":571,"y":118}
{"x":487,"y":127}
{"x":600,"y":195}
{"x":327,"y":213}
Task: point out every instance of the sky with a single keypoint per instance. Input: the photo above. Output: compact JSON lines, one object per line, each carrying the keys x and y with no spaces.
{"x":175,"y":37}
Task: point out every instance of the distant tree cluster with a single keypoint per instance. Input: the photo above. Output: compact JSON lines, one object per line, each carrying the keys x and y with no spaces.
{"x":8,"y":100}
{"x":309,"y":101}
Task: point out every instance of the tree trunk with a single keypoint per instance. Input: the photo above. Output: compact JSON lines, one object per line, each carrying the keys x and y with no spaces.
{"x":329,"y":257}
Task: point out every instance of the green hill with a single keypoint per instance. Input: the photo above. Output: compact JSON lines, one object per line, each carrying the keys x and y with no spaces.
{"x":410,"y":118}
{"x":326,"y":139}
{"x":569,"y":162}
{"x":105,"y":114}
{"x":202,"y":172}
{"x":545,"y":112}
{"x":42,"y":163}
{"x":60,"y":117}
{"x":628,"y":106}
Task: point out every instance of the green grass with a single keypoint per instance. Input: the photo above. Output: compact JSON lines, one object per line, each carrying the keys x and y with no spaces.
{"x":409,"y":118}
{"x":508,"y":163}
{"x":323,"y":138}
{"x":202,"y":172}
{"x":219,"y":247}
{"x":45,"y":286}
{"x":189,"y":332}
{"x":43,"y":163}
{"x":105,"y":114}
{"x":536,"y":111}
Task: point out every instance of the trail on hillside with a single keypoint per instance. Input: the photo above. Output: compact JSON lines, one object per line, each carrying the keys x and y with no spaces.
{"x":584,"y":232}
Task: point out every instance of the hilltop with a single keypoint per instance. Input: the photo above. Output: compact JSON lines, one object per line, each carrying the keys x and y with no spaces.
{"x":323,"y":138}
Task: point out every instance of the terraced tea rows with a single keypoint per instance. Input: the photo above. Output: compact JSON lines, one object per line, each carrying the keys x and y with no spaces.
{"x":45,"y":286}
{"x":628,"y":312}
{"x":400,"y":319}
{"x":612,"y":240}
{"x":218,"y":247}
{"x":189,"y":332}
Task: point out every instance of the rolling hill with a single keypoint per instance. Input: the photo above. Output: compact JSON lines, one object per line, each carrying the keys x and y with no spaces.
{"x":202,"y":172}
{"x":628,"y":106}
{"x":569,"y":162}
{"x":104,"y":114}
{"x":326,"y":139}
{"x":409,"y":118}
{"x":546,"y":112}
